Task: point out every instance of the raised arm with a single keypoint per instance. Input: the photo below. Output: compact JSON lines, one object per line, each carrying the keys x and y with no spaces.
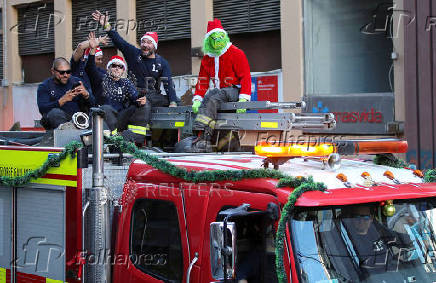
{"x":95,"y":77}
{"x":91,"y":69}
{"x":80,"y":50}
{"x":126,"y":48}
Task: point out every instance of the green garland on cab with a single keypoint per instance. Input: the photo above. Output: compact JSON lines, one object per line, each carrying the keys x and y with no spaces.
{"x":192,"y":176}
{"x":301,"y":184}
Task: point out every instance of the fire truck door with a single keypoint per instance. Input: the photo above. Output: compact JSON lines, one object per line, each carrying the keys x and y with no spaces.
{"x":158,"y":239}
{"x":32,"y":233}
{"x":5,"y":233}
{"x":203,"y":205}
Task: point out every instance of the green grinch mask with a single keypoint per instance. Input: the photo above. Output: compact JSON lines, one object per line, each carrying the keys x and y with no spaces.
{"x":215,"y":43}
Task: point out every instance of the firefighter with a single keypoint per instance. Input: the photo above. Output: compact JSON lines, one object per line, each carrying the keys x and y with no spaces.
{"x":148,"y":68}
{"x":119,"y":95}
{"x":62,"y":95}
{"x":372,"y":240}
{"x":229,"y":70}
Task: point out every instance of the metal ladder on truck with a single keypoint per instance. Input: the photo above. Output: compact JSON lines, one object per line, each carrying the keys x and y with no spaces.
{"x":181,"y":118}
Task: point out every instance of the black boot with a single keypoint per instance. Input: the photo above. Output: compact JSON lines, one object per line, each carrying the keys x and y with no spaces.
{"x":130,"y":136}
{"x":202,"y":145}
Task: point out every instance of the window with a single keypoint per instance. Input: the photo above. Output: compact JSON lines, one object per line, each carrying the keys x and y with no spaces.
{"x":36,"y":40}
{"x":83,"y":22}
{"x":255,"y":246}
{"x":247,"y":16}
{"x":155,"y":243}
{"x":170,"y":19}
{"x":36,"y":28}
{"x":347,"y":46}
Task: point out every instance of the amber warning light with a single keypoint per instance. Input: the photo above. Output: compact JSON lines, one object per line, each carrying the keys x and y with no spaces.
{"x":325,"y":149}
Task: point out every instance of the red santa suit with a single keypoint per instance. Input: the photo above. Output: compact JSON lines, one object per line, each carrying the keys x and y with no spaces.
{"x":228,"y":69}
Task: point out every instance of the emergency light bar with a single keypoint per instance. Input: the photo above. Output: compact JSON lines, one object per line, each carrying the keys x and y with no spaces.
{"x":282,"y":149}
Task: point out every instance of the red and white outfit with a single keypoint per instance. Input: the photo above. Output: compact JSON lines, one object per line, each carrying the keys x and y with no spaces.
{"x":227,"y":69}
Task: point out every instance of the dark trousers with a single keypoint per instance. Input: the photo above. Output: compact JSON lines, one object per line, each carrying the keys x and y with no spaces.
{"x":153,"y":100}
{"x":118,"y":119}
{"x":54,"y":118}
{"x":133,"y":115}
{"x":208,"y":111}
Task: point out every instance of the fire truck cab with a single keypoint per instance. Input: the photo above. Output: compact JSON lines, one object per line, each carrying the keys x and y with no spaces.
{"x":169,"y":221}
{"x":134,"y":223}
{"x":164,"y":229}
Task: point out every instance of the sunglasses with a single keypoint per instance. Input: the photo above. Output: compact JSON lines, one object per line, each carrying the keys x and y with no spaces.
{"x":362,"y":217}
{"x":63,"y":72}
{"x":117,"y":66}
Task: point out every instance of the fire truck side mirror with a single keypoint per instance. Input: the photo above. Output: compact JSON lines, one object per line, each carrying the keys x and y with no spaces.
{"x":222,"y":249}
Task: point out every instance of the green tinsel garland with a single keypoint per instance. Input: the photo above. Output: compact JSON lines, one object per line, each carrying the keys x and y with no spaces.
{"x":52,"y":161}
{"x":430,"y":176}
{"x":389,"y":160}
{"x":305,"y":185}
{"x":301,"y":184}
{"x":192,"y":176}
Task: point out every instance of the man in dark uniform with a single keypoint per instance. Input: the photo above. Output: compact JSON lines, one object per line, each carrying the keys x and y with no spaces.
{"x":148,"y":68}
{"x":371,"y":240}
{"x":62,"y":95}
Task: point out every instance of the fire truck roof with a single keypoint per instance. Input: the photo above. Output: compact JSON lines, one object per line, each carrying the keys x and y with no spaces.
{"x":374,"y":186}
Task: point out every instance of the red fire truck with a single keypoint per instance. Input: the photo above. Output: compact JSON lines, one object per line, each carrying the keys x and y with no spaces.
{"x":373,"y":223}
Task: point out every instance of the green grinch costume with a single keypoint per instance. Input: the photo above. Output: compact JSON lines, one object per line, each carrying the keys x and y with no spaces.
{"x":228,"y":68}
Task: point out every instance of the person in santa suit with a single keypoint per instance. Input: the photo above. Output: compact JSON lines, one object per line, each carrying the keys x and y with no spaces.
{"x":228,"y":68}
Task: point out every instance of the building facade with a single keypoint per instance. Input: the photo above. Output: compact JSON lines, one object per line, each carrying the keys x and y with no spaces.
{"x":352,"y":58}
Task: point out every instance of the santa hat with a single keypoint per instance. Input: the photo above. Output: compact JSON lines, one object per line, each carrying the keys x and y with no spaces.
{"x":98,"y":52}
{"x":116,"y":60}
{"x":214,"y":26}
{"x":151,"y":36}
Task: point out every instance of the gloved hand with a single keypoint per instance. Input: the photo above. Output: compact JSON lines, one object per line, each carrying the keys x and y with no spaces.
{"x":241,"y":110}
{"x":195,"y":105}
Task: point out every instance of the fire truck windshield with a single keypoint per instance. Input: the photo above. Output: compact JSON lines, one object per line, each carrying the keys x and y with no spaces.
{"x":360,"y":243}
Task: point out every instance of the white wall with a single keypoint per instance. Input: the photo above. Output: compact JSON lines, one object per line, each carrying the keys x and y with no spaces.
{"x":25,"y":107}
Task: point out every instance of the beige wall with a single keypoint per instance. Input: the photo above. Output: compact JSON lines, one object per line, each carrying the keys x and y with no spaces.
{"x":201,"y":13}
{"x":63,"y":28}
{"x":6,"y":108}
{"x":126,"y":11}
{"x":292,"y":49}
{"x":399,"y":79}
{"x":13,"y":71}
